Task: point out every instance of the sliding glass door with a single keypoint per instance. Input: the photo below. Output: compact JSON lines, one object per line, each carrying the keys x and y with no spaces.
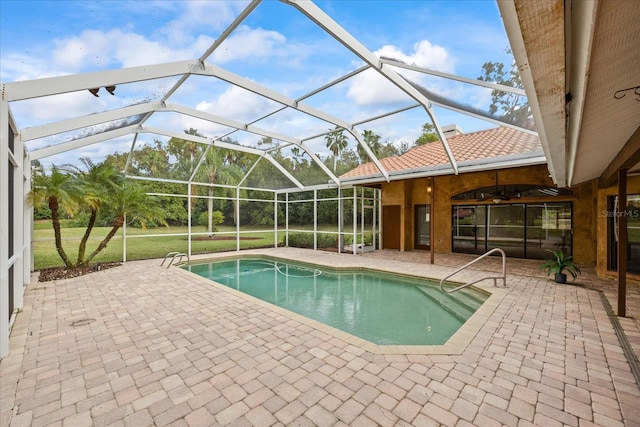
{"x":522,"y":230}
{"x":469,"y":229}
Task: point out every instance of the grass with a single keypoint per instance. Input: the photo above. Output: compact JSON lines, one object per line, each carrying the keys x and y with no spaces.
{"x":141,"y":247}
{"x":137,"y":246}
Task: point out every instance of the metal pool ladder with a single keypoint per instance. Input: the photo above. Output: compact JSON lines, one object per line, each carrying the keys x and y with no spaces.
{"x":173,"y":256}
{"x":495,"y":278}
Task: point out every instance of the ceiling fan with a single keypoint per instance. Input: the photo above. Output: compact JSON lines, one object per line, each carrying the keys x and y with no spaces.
{"x":499,"y":196}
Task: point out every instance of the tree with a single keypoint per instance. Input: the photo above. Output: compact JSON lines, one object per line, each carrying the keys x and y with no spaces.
{"x":336,"y":142}
{"x":58,"y":192}
{"x":152,"y":160}
{"x":373,"y":141}
{"x":187,"y":154}
{"x":214,"y":169}
{"x":127,"y":200}
{"x":94,"y":188}
{"x":513,"y":109}
{"x":429,"y":134}
{"x":93,"y":183}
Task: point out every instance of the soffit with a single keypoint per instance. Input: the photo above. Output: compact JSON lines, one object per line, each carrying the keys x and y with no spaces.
{"x":610,"y":117}
{"x":577,"y":55}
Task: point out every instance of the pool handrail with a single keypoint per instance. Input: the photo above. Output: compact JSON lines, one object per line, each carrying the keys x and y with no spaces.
{"x":495,"y":278}
{"x":173,"y":256}
{"x":170,"y":254}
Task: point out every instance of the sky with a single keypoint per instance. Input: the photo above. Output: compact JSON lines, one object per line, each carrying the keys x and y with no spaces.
{"x":276,"y":46}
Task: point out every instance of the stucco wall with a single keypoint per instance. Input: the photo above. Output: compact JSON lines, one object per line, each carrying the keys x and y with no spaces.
{"x":589,"y":208}
{"x":412,"y":192}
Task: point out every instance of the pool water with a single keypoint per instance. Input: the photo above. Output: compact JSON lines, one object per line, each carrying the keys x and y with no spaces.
{"x":382,"y":308}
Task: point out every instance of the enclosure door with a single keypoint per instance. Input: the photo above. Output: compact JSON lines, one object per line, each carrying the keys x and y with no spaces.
{"x":391,"y":227}
{"x":422,"y":227}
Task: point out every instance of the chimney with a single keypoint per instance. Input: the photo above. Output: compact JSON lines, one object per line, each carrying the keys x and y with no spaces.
{"x":451,"y":130}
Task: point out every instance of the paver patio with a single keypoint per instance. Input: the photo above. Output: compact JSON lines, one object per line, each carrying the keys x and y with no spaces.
{"x":142,"y":345}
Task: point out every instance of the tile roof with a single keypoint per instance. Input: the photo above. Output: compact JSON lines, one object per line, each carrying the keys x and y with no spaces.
{"x":486,"y":144}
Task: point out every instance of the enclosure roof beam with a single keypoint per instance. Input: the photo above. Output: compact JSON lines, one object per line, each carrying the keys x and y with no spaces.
{"x":280,"y":168}
{"x":17,"y":91}
{"x":324,"y":21}
{"x":62,"y":126}
{"x":252,"y":129}
{"x":225,"y":34}
{"x":277,"y":97}
{"x":367,"y":150}
{"x":201,"y":140}
{"x":251,"y":86}
{"x":490,"y":85}
{"x":485,"y":118}
{"x":334,"y":82}
{"x":230,"y":29}
{"x":81,"y":142}
{"x":308,"y":95}
{"x":228,"y":122}
{"x":390,"y":113}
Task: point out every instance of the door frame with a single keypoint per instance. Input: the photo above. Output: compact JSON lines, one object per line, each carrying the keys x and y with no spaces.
{"x":391,"y":226}
{"x":416,"y":227}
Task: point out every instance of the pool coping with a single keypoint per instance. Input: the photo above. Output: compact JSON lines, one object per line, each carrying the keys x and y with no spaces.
{"x":456,"y":345}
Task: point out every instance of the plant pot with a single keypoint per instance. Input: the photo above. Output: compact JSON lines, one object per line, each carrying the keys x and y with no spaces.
{"x":561,"y":278}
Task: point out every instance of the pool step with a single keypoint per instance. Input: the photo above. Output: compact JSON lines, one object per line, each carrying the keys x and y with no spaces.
{"x":460,"y":305}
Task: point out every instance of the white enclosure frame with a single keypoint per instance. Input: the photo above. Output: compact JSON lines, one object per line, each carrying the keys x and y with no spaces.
{"x":15,"y":225}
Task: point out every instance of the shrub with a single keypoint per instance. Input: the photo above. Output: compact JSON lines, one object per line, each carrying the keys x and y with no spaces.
{"x":218,"y":218}
{"x":301,"y":240}
{"x":327,"y":241}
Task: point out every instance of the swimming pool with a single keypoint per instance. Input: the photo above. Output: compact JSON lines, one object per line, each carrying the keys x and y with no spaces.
{"x":381,"y":308}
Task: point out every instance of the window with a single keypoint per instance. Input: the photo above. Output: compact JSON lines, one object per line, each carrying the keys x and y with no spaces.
{"x":522,"y":230}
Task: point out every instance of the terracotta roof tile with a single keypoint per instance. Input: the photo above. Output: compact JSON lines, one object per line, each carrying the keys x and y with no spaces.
{"x":485,"y":144}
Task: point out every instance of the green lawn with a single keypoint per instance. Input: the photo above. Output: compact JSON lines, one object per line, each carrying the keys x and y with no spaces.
{"x":138,"y":246}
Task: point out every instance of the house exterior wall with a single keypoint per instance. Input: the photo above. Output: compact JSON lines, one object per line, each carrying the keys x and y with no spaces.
{"x":589,"y":222}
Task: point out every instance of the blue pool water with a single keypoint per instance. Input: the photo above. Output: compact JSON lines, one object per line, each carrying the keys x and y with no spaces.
{"x":381,"y":308}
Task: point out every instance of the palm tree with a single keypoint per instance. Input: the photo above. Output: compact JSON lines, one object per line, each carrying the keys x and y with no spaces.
{"x":336,"y":142}
{"x":214,"y":169}
{"x":373,"y":141}
{"x":93,"y":184}
{"x":128,"y":200}
{"x":57,"y":190}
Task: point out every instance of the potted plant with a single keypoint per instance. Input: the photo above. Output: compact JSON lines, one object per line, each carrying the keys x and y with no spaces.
{"x":560,"y":264}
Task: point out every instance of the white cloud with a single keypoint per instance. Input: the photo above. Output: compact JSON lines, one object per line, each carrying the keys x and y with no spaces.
{"x":18,"y":67}
{"x":237,"y":104}
{"x":37,"y":111}
{"x":196,"y":15}
{"x":369,"y":88}
{"x":98,"y":49}
{"x":250,"y":43}
{"x":424,"y":55}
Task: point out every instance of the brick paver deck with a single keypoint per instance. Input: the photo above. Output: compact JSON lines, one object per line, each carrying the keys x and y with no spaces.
{"x":141,"y":345}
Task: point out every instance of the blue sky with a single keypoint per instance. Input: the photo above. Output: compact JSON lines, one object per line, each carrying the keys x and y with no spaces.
{"x":276,"y":46}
